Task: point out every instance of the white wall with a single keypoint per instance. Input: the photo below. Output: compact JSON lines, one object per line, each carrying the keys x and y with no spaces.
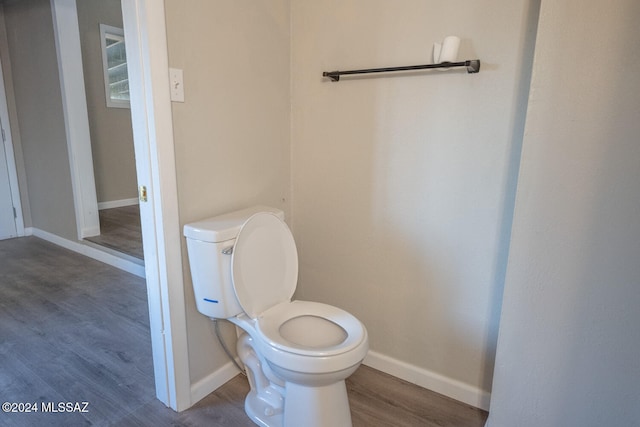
{"x":232,"y":132}
{"x":402,"y":184}
{"x":569,"y":345}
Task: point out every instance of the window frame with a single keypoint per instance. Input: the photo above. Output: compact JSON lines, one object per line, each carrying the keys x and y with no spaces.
{"x":113,"y":33}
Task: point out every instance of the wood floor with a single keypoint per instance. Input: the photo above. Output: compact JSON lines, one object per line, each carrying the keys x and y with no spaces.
{"x":120,"y":230}
{"x":75,"y":330}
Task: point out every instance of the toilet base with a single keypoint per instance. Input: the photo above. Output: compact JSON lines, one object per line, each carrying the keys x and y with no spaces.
{"x":258,"y":410}
{"x":304,"y":406}
{"x":317,"y":406}
{"x":280,"y":397}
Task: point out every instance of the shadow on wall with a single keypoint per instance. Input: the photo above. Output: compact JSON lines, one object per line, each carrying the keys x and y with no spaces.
{"x":508,"y":205}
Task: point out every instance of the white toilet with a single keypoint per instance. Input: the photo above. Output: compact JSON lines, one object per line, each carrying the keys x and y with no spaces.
{"x":244,"y":266}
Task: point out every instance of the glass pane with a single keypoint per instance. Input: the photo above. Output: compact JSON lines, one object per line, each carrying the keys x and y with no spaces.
{"x":115,"y":57}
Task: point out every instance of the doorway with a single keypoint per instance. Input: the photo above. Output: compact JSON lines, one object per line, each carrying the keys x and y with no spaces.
{"x":109,"y":114}
{"x":147,"y":62}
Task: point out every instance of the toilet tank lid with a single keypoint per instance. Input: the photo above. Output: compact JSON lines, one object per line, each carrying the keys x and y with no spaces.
{"x":226,"y":226}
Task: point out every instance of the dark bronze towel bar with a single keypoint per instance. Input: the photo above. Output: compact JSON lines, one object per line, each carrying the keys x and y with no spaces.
{"x":473,"y":66}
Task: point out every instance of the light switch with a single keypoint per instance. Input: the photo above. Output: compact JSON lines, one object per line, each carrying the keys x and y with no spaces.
{"x":177,"y":84}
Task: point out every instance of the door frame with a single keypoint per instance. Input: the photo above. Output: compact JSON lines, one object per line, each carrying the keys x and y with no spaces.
{"x":10,"y":157}
{"x":148,"y":65}
{"x":76,"y":117}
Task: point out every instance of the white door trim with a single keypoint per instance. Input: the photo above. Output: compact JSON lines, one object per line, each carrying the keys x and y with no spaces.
{"x":76,"y":118}
{"x":147,"y":61}
{"x":10,"y":157}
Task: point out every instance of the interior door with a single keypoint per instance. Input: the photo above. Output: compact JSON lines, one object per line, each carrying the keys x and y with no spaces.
{"x":7,"y":213}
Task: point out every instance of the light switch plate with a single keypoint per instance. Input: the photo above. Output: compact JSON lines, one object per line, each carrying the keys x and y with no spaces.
{"x":177,"y":84}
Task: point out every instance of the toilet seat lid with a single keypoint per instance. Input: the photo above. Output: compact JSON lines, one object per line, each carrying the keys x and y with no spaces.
{"x":264,"y":264}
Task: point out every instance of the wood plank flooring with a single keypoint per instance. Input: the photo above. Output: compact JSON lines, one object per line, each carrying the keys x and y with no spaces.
{"x":120,"y":230}
{"x":75,"y":330}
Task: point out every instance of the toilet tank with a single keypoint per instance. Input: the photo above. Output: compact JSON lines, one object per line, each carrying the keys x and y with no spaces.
{"x":209,"y":245}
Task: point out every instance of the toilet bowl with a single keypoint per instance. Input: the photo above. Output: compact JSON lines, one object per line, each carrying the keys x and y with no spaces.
{"x":244,"y":267}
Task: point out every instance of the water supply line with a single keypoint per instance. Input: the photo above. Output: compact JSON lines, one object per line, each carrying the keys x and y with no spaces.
{"x":225,"y":348}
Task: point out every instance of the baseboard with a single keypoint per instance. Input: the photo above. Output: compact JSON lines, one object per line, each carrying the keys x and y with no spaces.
{"x":430,"y":380}
{"x":424,"y":378}
{"x":117,"y":203}
{"x":213,"y":381}
{"x":91,"y":252}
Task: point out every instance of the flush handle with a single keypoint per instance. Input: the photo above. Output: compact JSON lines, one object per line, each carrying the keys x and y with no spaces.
{"x":228,"y":250}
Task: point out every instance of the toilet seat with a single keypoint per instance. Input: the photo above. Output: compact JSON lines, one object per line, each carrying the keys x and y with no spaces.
{"x":264,"y":264}
{"x":264,"y":272}
{"x":323,"y":330}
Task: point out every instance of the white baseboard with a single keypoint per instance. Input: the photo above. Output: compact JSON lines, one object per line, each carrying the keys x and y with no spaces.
{"x":430,"y":380}
{"x":424,"y":378}
{"x":117,"y":203}
{"x":212,"y":382}
{"x":91,"y":252}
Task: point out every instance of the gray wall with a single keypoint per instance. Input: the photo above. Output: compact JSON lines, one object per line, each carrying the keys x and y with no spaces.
{"x":38,"y":103}
{"x":569,"y":343}
{"x":403,"y":185}
{"x":111,"y":136}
